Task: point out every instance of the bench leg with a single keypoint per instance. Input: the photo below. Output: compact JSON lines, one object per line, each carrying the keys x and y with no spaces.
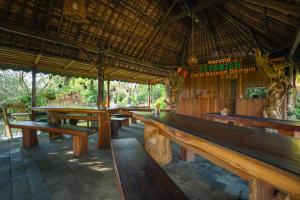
{"x":80,"y":145}
{"x":29,"y":138}
{"x":53,"y":120}
{"x":186,"y":154}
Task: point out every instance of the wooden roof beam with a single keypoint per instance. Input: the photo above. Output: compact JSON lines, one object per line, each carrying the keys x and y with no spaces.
{"x":201,"y":6}
{"x":69,"y":64}
{"x":37,"y":59}
{"x":156,"y":30}
{"x":295,"y":43}
{"x":54,"y":38}
{"x":288,"y":9}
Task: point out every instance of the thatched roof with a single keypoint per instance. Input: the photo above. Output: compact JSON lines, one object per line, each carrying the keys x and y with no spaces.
{"x":144,"y":38}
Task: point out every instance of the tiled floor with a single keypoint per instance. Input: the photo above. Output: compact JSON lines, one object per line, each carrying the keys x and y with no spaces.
{"x":50,"y":171}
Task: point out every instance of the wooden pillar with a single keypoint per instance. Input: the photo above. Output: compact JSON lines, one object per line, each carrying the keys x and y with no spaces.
{"x":149,"y":95}
{"x":100,"y":76}
{"x":33,"y":92}
{"x":108,"y":93}
{"x":104,"y":130}
{"x":6,"y":123}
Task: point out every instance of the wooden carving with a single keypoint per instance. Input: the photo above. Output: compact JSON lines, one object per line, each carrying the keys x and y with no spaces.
{"x":173,"y":84}
{"x":278,"y":84}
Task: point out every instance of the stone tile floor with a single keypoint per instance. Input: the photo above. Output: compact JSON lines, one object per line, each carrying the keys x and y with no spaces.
{"x":49,"y":171}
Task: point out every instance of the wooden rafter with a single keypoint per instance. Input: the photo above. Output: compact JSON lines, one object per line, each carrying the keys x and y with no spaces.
{"x":34,"y":14}
{"x":295,"y":43}
{"x":201,"y":6}
{"x":48,"y":15}
{"x":157,"y":29}
{"x":37,"y":59}
{"x":69,"y":64}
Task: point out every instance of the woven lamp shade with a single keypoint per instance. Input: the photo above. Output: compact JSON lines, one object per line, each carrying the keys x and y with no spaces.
{"x":75,"y":10}
{"x":193,"y":60}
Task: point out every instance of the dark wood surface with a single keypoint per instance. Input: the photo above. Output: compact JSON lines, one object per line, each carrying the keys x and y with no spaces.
{"x":63,"y":129}
{"x":287,"y":125}
{"x":139,"y":176}
{"x":277,"y":150}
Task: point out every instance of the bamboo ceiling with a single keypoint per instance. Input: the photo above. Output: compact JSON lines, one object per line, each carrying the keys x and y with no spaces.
{"x":142,"y":38}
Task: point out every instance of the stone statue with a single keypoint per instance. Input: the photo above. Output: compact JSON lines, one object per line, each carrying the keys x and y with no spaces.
{"x":278,"y":84}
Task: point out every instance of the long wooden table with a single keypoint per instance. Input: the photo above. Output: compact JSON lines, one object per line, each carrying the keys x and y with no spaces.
{"x":102,"y":115}
{"x":266,"y":160}
{"x":284,"y":127}
{"x":56,"y":114}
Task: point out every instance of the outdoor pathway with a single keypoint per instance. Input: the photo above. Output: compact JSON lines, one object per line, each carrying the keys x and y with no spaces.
{"x":50,"y":171}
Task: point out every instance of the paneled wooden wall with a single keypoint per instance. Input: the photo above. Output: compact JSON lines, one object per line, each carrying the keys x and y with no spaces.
{"x":201,"y":95}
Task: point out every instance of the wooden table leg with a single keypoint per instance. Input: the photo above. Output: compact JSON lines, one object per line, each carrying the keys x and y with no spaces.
{"x":53,"y":120}
{"x":133,"y":120}
{"x":29,"y":138}
{"x":80,"y":145}
{"x":186,"y":154}
{"x":157,"y":145}
{"x":259,"y":190}
{"x":103,"y":130}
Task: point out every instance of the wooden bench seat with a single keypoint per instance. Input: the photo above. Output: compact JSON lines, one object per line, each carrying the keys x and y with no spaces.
{"x":139,"y":176}
{"x":80,"y":134}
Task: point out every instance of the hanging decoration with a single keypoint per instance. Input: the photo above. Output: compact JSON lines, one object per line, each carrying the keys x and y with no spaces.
{"x":192,"y":60}
{"x":75,"y":10}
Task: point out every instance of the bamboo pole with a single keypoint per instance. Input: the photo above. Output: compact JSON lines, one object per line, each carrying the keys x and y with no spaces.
{"x":108,"y":92}
{"x":100,"y":76}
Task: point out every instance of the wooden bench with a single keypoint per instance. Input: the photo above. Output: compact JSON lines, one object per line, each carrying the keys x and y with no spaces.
{"x":139,"y":176}
{"x":80,"y":134}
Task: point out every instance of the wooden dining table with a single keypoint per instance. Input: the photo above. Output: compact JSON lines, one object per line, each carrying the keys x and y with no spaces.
{"x":56,"y":114}
{"x":285,"y":127}
{"x":269,"y":162}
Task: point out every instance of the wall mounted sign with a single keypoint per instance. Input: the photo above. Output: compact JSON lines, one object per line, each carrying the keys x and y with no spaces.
{"x":224,"y":66}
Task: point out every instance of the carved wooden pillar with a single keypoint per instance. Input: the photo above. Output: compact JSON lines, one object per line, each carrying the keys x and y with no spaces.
{"x":100,"y":76}
{"x":158,"y":146}
{"x":33,"y":92}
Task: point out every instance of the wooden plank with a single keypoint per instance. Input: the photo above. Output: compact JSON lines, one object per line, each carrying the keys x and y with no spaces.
{"x":139,"y":176}
{"x":6,"y":123}
{"x":80,"y":145}
{"x":186,"y":154}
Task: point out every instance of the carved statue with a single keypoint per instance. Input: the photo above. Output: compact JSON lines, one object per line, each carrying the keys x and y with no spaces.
{"x":278,"y":84}
{"x":173,"y":84}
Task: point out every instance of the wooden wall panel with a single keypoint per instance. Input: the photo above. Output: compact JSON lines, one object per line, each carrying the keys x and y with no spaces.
{"x":191,"y":103}
{"x":250,"y":107}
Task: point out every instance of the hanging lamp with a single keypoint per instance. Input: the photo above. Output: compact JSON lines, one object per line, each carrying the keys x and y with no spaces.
{"x":75,"y":10}
{"x":192,"y":60}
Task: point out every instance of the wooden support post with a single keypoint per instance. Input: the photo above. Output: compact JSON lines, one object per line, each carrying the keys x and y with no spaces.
{"x":149,"y":95}
{"x":186,"y":154}
{"x":103,"y":130}
{"x":259,"y":190}
{"x":157,"y":145}
{"x":53,"y":120}
{"x":100,"y":76}
{"x":80,"y":145}
{"x":29,"y":138}
{"x":33,"y":93}
{"x":108,"y":93}
{"x":6,"y":123}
